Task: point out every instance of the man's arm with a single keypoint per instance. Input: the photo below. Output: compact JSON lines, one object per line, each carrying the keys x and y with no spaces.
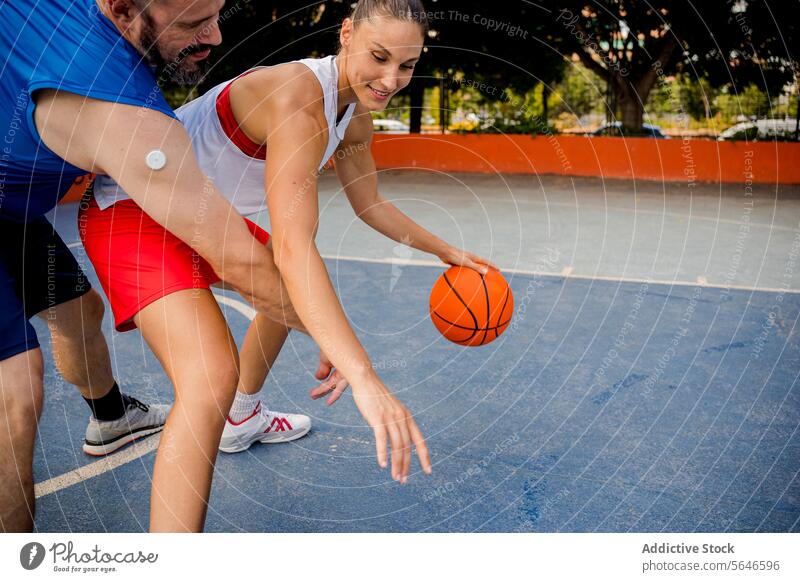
{"x":114,"y":139}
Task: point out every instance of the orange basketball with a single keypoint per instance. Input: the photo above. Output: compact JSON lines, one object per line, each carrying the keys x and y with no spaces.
{"x":471,"y":309}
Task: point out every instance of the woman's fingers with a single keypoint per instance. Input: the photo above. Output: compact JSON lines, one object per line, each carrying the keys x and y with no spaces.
{"x":322,"y":389}
{"x":380,"y":445}
{"x":483,"y":262}
{"x":470,"y":260}
{"x":335,"y":386}
{"x":395,"y":431}
{"x":341,"y":386}
{"x":324,"y":368}
{"x":397,"y":449}
{"x":406,"y":451}
{"x":419,"y":443}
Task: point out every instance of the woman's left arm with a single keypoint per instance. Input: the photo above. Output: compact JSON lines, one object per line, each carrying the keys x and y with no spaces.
{"x":355,"y":167}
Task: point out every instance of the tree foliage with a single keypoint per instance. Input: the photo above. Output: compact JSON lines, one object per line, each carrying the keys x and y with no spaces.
{"x":515,"y":45}
{"x":634,"y":43}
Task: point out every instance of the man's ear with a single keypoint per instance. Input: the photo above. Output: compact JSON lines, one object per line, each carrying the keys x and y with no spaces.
{"x":123,"y":12}
{"x":346,"y":33}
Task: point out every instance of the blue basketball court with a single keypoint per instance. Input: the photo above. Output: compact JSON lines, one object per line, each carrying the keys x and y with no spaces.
{"x":648,"y":382}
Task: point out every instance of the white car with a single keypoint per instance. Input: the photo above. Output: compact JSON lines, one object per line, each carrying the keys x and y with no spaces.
{"x":390,"y":126}
{"x":759,"y":129}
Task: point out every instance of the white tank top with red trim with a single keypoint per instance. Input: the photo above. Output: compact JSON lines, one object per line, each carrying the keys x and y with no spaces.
{"x":237,"y":175}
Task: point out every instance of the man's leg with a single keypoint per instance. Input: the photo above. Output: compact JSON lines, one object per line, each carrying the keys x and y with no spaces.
{"x":21,"y":380}
{"x":249,"y":419}
{"x":56,"y":289}
{"x":189,"y":335}
{"x":21,"y":396}
{"x":79,"y":348}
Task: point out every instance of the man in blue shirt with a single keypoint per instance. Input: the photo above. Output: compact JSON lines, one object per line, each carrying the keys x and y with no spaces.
{"x":79,"y":87}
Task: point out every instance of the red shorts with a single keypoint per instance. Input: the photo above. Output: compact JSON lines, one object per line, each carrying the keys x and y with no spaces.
{"x":138,"y":261}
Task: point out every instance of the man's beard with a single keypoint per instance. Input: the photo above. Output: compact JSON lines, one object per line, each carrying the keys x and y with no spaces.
{"x":176,"y":69}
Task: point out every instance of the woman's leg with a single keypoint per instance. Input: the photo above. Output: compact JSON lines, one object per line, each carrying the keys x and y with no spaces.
{"x":262,"y":344}
{"x":249,"y":419}
{"x":189,"y":335}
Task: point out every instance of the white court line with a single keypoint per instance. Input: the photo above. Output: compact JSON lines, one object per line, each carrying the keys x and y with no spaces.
{"x":238,"y":305}
{"x":566,"y":273}
{"x":570,"y":275}
{"x":95,"y":468}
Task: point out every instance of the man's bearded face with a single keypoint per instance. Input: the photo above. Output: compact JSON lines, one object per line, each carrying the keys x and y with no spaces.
{"x":177,"y":37}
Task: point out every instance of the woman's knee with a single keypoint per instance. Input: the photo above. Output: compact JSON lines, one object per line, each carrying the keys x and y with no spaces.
{"x":208,"y":387}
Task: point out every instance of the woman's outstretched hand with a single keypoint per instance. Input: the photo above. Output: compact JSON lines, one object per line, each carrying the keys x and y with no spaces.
{"x":391,"y":422}
{"x":393,"y":426}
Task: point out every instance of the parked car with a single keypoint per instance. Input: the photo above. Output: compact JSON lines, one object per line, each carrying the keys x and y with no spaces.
{"x":759,"y":129}
{"x":615,"y":130}
{"x":390,"y":126}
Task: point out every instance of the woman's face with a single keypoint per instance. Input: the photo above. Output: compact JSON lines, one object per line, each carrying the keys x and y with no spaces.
{"x":380,"y":56}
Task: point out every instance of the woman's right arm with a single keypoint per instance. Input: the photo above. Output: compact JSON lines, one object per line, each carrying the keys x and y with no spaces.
{"x":294,"y":148}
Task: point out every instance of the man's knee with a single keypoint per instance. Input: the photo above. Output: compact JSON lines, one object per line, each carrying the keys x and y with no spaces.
{"x":92,"y":310}
{"x":79,"y":318}
{"x":21,"y":394}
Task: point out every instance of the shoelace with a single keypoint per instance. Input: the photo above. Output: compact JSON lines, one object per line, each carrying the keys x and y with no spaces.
{"x":275,"y":423}
{"x":131,"y":403}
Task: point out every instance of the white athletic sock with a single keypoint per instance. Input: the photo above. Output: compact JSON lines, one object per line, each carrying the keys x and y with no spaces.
{"x":243,"y":406}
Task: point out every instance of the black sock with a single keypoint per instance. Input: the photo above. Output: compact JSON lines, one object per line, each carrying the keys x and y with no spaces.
{"x":109,"y":407}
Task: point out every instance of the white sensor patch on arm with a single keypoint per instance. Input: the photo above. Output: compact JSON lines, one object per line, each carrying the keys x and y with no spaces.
{"x":156,"y":160}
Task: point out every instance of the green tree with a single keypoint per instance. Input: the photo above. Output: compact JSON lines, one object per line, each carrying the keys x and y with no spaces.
{"x":751,"y":102}
{"x":633,"y":43}
{"x":498,"y":46}
{"x":696,"y":96}
{"x":579,"y":93}
{"x":518,"y":44}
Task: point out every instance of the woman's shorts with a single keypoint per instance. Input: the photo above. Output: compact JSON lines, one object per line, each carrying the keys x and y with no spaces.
{"x":138,"y":261}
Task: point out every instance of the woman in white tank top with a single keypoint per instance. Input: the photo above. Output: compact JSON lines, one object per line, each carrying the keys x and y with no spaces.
{"x":263,"y":139}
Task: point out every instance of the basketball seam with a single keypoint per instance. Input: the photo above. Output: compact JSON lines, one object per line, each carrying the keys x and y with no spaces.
{"x":502,"y":310}
{"x":488,"y":310}
{"x":464,"y":327}
{"x":464,"y":303}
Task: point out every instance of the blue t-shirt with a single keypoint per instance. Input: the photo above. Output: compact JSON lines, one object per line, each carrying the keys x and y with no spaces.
{"x":57,"y":44}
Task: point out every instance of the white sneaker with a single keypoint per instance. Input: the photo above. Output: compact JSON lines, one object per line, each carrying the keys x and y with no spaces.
{"x":263,"y":426}
{"x":140,"y":420}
